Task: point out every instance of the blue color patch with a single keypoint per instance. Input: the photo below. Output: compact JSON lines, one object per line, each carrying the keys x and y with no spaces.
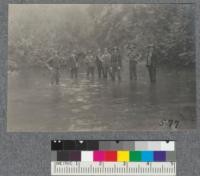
{"x":147,"y":156}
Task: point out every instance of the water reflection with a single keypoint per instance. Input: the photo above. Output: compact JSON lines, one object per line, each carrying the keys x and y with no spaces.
{"x":90,"y":104}
{"x":152,"y":94}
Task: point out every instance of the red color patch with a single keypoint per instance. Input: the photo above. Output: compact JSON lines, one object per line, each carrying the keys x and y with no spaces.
{"x":110,"y":155}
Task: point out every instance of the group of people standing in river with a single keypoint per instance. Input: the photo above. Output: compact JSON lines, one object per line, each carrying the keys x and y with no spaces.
{"x":107,"y":63}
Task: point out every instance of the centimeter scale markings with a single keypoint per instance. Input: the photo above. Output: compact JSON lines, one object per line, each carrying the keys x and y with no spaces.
{"x":117,"y":168}
{"x":128,"y":158}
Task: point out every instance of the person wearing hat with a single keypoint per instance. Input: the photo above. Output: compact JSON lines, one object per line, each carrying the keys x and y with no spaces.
{"x":133,"y":60}
{"x":116,"y":64}
{"x":53,"y":64}
{"x":99,"y":63}
{"x":151,"y":63}
{"x":73,"y":64}
{"x":106,"y":62}
{"x":90,"y":64}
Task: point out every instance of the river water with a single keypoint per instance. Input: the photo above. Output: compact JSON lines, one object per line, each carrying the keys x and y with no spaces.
{"x":100,"y":105}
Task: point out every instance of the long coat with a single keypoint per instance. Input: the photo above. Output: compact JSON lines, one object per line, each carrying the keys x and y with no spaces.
{"x":73,"y":61}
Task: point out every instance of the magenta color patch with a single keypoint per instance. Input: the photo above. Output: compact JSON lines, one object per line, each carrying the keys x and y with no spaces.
{"x":98,"y":156}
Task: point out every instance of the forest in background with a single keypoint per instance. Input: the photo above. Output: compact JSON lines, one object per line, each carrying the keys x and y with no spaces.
{"x":36,"y":31}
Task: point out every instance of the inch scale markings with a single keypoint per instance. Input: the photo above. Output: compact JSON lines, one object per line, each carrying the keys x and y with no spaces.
{"x":113,"y":168}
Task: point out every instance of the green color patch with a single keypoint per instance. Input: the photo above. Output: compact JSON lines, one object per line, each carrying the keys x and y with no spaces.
{"x":135,"y":156}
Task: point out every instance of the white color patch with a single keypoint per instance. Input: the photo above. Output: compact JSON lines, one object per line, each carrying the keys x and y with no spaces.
{"x":170,"y":146}
{"x":86,"y":155}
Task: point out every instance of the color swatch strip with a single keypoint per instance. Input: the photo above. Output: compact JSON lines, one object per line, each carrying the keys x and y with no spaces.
{"x":92,"y":145}
{"x":114,"y":156}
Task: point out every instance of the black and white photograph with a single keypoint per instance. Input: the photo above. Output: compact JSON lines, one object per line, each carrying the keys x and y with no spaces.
{"x":101,"y":67}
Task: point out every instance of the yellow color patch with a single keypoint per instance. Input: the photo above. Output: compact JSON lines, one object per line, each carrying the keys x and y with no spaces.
{"x":122,"y":156}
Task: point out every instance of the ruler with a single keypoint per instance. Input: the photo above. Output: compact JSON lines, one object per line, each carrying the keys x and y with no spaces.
{"x":113,"y":168}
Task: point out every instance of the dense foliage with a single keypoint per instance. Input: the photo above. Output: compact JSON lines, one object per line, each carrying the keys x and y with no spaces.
{"x":35,"y":31}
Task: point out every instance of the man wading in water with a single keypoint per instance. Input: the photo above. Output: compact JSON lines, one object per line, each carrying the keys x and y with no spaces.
{"x":53,"y":64}
{"x":152,"y":63}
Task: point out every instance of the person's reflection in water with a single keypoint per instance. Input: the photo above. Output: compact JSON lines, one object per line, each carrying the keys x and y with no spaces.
{"x":116,"y":90}
{"x":132,"y":94}
{"x":76,"y":82}
{"x":153,"y":94}
{"x":56,"y":96}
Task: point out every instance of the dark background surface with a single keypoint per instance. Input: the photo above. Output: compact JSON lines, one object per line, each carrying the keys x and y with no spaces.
{"x":27,"y":154}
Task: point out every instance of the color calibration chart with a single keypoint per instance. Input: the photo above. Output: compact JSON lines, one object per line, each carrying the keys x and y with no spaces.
{"x":115,"y":158}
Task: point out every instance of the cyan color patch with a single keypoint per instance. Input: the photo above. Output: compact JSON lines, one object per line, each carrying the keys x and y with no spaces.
{"x":147,"y":156}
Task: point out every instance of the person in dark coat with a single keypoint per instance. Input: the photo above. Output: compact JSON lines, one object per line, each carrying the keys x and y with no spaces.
{"x":74,"y":65}
{"x":133,"y":60}
{"x":90,"y":64}
{"x":152,"y":63}
{"x":106,"y":63}
{"x":99,"y":63}
{"x":116,"y":64}
{"x":53,"y":65}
